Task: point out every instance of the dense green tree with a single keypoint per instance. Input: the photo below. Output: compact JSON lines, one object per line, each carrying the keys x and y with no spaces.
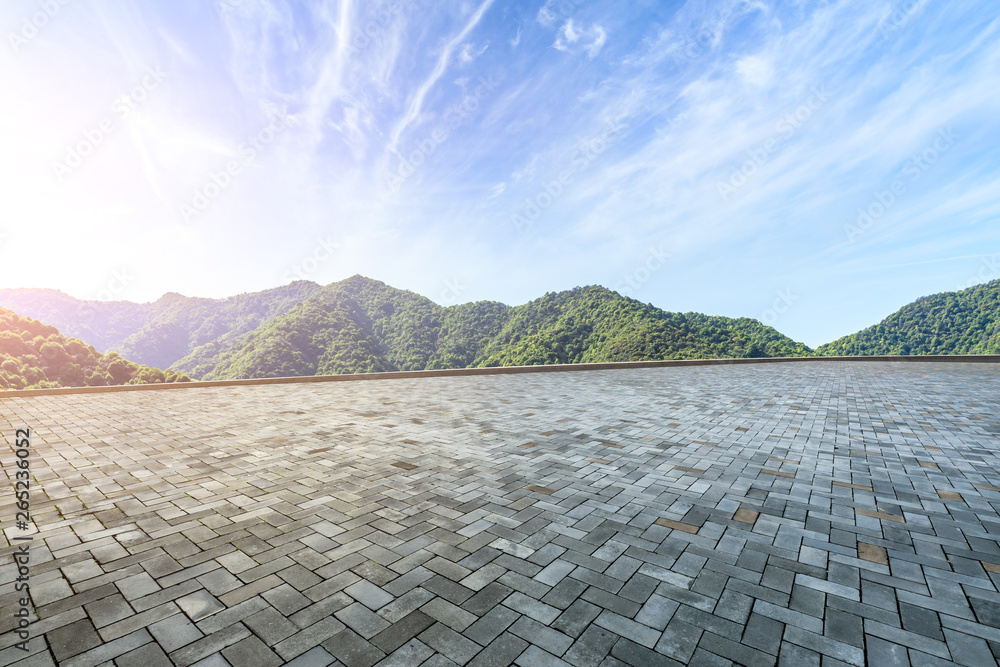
{"x":167,"y":332}
{"x":34,"y":355}
{"x":361,"y":325}
{"x":964,"y":322}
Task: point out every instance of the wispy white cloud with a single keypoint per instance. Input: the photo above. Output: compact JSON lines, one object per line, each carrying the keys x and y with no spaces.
{"x":417,"y":101}
{"x":590,"y":40}
{"x":469,"y":52}
{"x":701,"y":93}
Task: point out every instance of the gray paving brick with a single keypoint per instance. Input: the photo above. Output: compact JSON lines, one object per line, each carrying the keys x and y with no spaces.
{"x":206,"y":646}
{"x":315,"y":657}
{"x":362,"y":620}
{"x":444,"y":640}
{"x":612,"y":602}
{"x":270,"y":625}
{"x":733,"y":606}
{"x":630,"y":653}
{"x":483,"y":577}
{"x":109,"y":650}
{"x":251,"y":652}
{"x":414,"y":652}
{"x":108,"y":610}
{"x":148,"y":655}
{"x":590,"y":649}
{"x":881,"y":652}
{"x":536,"y":657}
{"x":307,"y":638}
{"x":137,"y":586}
{"x":844,"y":627}
{"x":792,"y":654}
{"x":199,"y":605}
{"x":657,"y":612}
{"x":532,"y":608}
{"x":532,"y":631}
{"x":789,"y":616}
{"x":967,"y":649}
{"x":73,"y":639}
{"x":174,"y":632}
{"x":501,"y":652}
{"x":402,"y":631}
{"x":352,"y":649}
{"x":555,"y":572}
{"x":906,"y":638}
{"x":576,"y":618}
{"x":449,"y":614}
{"x":786,"y":579}
{"x":214,"y":660}
{"x":486,"y":599}
{"x":825,"y":646}
{"x":369,"y":594}
{"x":625,"y":627}
{"x":735,"y":651}
{"x":763,"y":633}
{"x":491,"y":625}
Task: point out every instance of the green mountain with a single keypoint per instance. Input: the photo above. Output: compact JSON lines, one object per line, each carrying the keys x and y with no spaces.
{"x":168,"y":332}
{"x":964,"y":322}
{"x":34,"y":355}
{"x":102,"y":324}
{"x":361,"y":325}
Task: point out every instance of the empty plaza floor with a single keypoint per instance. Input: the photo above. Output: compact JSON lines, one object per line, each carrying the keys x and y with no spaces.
{"x":810,"y":513}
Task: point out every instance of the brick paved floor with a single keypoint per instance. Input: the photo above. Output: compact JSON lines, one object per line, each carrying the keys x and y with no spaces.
{"x":818,"y":513}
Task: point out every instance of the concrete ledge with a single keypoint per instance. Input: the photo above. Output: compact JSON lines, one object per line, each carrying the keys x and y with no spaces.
{"x":496,"y":370}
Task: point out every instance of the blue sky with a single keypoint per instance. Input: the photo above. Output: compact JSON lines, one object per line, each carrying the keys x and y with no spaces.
{"x":815,"y":165}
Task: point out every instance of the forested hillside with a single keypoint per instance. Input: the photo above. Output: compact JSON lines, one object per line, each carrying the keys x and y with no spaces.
{"x":361,"y":325}
{"x":34,"y":355}
{"x":965,"y":322}
{"x":102,"y":324}
{"x":166,"y":332}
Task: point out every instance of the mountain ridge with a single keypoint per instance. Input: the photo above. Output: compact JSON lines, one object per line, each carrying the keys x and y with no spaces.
{"x":364,"y":325}
{"x":360,"y":324}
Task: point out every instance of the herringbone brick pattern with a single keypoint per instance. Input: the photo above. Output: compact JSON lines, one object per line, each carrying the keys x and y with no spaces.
{"x":818,"y":513}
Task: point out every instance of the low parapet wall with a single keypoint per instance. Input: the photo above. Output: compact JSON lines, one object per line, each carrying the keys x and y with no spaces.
{"x":497,"y":370}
